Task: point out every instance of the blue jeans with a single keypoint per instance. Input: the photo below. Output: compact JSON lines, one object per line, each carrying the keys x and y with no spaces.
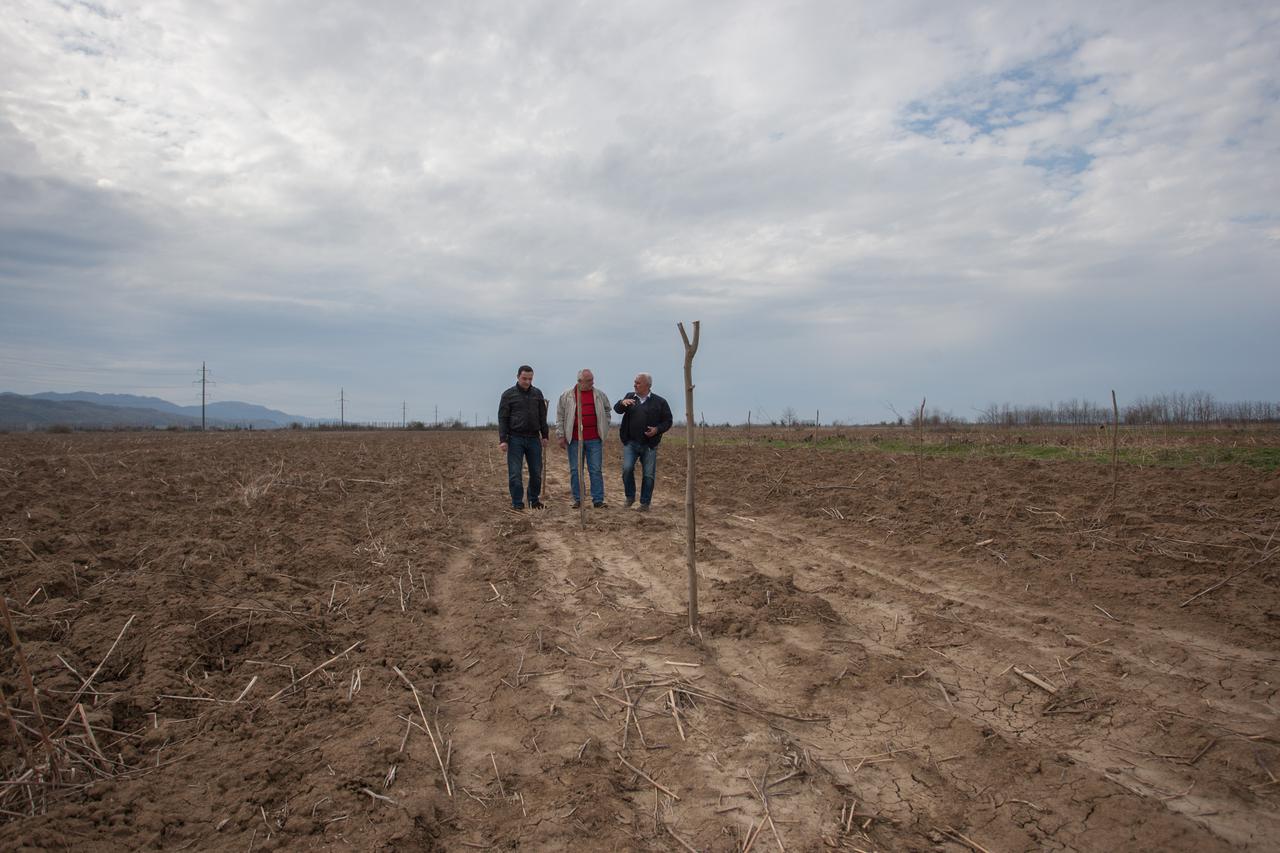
{"x":594,"y":454}
{"x":520,"y":448}
{"x":632,"y":452}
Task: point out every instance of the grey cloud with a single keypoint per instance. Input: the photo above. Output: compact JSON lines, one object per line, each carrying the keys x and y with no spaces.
{"x":861,"y":201}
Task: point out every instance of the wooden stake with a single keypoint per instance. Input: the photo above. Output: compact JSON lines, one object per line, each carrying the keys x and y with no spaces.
{"x":1115,"y":445}
{"x":582,"y":455}
{"x":691,"y":537}
{"x":920,"y":438}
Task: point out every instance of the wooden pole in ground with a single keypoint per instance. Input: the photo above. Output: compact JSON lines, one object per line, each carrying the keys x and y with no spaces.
{"x":1115,"y":444}
{"x":920,"y":438}
{"x":691,"y":547}
{"x":582,"y":456}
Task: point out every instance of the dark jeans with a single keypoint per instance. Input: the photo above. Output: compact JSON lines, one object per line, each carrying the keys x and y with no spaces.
{"x":632,"y":452}
{"x":520,"y":448}
{"x":594,"y":450}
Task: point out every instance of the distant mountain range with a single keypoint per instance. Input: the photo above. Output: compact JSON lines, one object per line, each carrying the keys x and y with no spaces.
{"x":87,"y":410}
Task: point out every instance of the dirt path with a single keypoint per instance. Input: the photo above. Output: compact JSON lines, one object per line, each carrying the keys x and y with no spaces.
{"x":874,"y":672}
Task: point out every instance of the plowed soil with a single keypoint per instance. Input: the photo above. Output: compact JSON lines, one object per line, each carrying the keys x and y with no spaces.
{"x":346,"y":640}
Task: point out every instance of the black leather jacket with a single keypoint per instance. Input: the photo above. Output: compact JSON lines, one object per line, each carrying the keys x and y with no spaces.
{"x":654,"y":413}
{"x":522,"y":413}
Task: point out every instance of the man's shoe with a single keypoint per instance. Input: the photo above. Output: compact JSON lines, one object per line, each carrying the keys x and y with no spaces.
{"x":599,"y":504}
{"x":575,"y":504}
{"x":630,"y":504}
{"x":535,"y":504}
{"x":517,"y":507}
{"x":643,"y":508}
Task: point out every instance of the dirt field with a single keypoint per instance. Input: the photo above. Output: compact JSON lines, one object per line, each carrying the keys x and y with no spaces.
{"x":947,"y":652}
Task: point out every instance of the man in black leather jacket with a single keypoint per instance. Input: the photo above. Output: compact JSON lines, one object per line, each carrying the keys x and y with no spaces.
{"x":645,"y":417}
{"x":522,"y":433}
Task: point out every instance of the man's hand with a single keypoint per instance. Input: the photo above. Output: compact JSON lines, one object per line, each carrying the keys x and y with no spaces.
{"x":650,"y":432}
{"x":544,"y":442}
{"x":628,"y":402}
{"x":563,"y":443}
{"x":502,"y":445}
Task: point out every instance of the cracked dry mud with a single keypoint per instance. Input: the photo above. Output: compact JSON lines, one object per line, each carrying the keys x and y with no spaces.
{"x":874,"y":633}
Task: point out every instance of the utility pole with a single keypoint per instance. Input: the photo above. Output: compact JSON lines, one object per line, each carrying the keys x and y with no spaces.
{"x":817,"y":418}
{"x":404,"y":414}
{"x":203,"y":380}
{"x":437,"y":422}
{"x":342,"y":408}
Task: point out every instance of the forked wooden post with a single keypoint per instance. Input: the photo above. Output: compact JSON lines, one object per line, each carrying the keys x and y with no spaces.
{"x":582,"y":453}
{"x":1115,"y":445}
{"x":920,"y":438}
{"x":691,"y":535}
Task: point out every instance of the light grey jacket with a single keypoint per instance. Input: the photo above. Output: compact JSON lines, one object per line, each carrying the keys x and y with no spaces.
{"x":567,"y":414}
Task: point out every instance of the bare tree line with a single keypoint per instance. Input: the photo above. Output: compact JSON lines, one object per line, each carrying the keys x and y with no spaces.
{"x":1177,"y":408}
{"x":1170,"y":409}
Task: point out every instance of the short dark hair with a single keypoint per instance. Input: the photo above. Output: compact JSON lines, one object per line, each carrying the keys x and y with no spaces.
{"x":523,"y":368}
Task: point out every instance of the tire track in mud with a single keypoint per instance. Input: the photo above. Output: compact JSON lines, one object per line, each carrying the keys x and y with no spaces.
{"x":968,"y":636}
{"x":528,"y":637}
{"x":581,"y":612}
{"x":635,"y":564}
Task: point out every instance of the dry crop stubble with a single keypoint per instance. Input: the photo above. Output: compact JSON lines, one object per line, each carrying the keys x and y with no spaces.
{"x":227,"y":633}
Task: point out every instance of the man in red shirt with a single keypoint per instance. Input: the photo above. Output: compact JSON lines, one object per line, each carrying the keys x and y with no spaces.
{"x":595,"y":426}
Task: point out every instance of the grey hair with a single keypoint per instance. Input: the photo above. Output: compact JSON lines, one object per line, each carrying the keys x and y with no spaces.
{"x":585,"y":370}
{"x":648,"y":377}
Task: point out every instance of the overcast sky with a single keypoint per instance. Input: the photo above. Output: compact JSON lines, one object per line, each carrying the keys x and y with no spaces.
{"x":864,"y":203}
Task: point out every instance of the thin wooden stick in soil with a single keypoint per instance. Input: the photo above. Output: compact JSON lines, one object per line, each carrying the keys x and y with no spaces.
{"x":1115,"y":445}
{"x":965,"y":839}
{"x":448,"y":789}
{"x":663,"y":788}
{"x":920,"y":438}
{"x":13,"y":725}
{"x":340,"y":654}
{"x":1231,"y":577}
{"x":760,"y":790}
{"x":685,"y":844}
{"x":1036,"y":680}
{"x":582,"y":453}
{"x":30,"y":684}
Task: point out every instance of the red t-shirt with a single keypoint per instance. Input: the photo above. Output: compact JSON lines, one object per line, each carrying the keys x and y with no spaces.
{"x":587,"y":401}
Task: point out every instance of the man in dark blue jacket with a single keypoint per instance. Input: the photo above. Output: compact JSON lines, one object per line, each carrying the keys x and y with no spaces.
{"x":522,"y":433}
{"x":645,"y":417}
